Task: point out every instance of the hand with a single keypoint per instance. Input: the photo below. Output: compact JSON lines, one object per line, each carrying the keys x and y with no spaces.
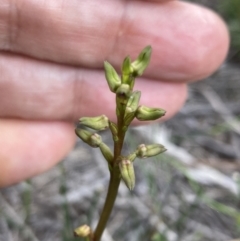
{"x":51,"y":65}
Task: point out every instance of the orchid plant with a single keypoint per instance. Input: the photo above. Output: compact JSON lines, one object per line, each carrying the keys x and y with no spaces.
{"x":127,"y":108}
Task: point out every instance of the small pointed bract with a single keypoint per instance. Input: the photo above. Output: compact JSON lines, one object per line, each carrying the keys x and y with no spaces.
{"x":126,"y":67}
{"x":134,"y":100}
{"x":114,"y":130}
{"x":141,"y":63}
{"x":131,"y":107}
{"x":127,"y":77}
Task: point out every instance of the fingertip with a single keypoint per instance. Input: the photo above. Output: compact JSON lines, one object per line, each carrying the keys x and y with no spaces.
{"x":211,"y":44}
{"x":29,"y":148}
{"x":202,"y":43}
{"x":189,"y":41}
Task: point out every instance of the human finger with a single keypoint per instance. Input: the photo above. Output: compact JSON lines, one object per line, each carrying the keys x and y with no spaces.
{"x":38,"y":90}
{"x":189,"y":42}
{"x":31,"y":147}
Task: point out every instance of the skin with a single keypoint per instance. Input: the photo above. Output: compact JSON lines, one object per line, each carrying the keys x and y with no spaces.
{"x":51,"y":65}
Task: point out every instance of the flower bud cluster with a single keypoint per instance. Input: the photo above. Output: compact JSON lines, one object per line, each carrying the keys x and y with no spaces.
{"x":93,"y":139}
{"x":129,"y":71}
{"x":127,"y":108}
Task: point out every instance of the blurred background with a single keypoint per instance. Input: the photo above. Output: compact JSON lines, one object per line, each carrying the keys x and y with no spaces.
{"x":189,"y":193}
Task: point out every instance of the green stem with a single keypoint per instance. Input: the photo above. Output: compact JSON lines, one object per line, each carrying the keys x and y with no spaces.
{"x":110,"y":199}
{"x":114,"y":182}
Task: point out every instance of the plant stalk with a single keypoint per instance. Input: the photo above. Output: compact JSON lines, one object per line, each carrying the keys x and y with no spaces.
{"x":110,"y":200}
{"x":115,"y":179}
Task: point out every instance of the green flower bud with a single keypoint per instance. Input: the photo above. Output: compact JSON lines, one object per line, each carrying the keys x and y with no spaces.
{"x":144,"y":151}
{"x":141,"y":63}
{"x":97,"y":123}
{"x":145,"y":113}
{"x":131,"y":107}
{"x":84,"y":135}
{"x":114,"y":130}
{"x":108,"y":155}
{"x":127,"y":173}
{"x":155,"y":149}
{"x":112,"y":77}
{"x":123,"y":93}
{"x":95,"y":140}
{"x":92,"y":139}
{"x":141,"y":151}
{"x":82,"y":231}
